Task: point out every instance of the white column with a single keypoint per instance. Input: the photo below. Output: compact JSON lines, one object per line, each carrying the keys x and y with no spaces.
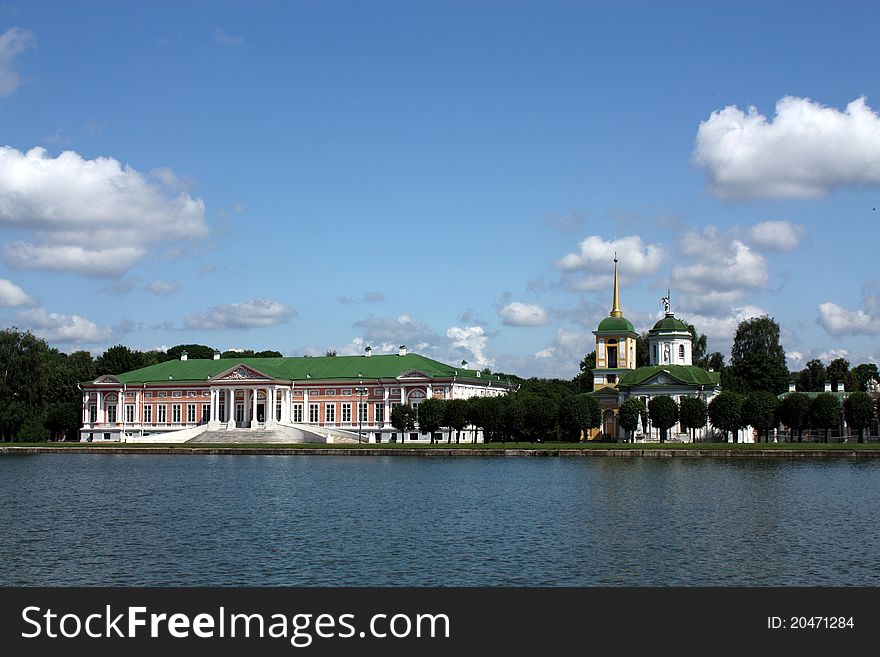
{"x":270,"y":406}
{"x":100,"y":416}
{"x":253,"y":408}
{"x":402,"y":395}
{"x":230,"y":408}
{"x":137,"y":406}
{"x":285,"y":406}
{"x":385,"y":399}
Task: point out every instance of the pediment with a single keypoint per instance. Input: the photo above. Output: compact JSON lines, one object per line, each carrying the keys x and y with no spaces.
{"x":241,"y":373}
{"x":107,"y":378}
{"x":413,"y":374}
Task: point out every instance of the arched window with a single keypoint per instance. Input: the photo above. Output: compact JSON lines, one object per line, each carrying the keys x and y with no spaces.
{"x":655,"y":354}
{"x":681,"y":351}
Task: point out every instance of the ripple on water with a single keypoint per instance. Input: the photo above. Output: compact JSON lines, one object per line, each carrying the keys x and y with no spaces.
{"x":365,"y":521}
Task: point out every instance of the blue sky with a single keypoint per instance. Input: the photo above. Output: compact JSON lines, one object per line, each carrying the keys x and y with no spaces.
{"x":454,"y":176}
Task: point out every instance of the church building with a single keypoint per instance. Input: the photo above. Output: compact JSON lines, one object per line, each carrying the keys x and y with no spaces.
{"x":670,"y":370}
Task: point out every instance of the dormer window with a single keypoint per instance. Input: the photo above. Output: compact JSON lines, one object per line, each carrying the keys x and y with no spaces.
{"x":681,"y":352}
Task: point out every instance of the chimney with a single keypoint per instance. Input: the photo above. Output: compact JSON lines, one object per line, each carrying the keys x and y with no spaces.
{"x":792,"y":387}
{"x":841,"y":387}
{"x":216,"y":355}
{"x":183,"y":355}
{"x":827,"y":386}
{"x":368,"y":351}
{"x":402,"y":351}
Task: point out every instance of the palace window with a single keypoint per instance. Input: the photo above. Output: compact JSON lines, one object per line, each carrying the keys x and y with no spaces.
{"x":346,"y":392}
{"x":176,"y":393}
{"x":190,"y":413}
{"x":330,"y":412}
{"x":313,"y":413}
{"x":206,"y":412}
{"x":278,"y":412}
{"x":379,"y":413}
{"x":93,"y":413}
{"x":175,"y":413}
{"x":162,"y":413}
{"x":297,"y":412}
{"x":346,"y":412}
{"x":330,"y":393}
{"x":148,"y":414}
{"x":362,"y":412}
{"x":681,"y":351}
{"x":129,"y":412}
{"x":111,"y":414}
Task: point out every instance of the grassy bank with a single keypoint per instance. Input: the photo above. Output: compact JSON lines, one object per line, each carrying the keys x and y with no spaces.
{"x":550,"y":448}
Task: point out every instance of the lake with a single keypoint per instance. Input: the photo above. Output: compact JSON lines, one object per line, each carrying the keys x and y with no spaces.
{"x":172,"y":520}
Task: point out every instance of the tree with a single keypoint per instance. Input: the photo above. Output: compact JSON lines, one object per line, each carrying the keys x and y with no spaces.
{"x":63,"y":419}
{"x":794,"y":412}
{"x":583,"y":382}
{"x":630,"y":413}
{"x":825,"y":412}
{"x":713,"y":361}
{"x":535,"y":415}
{"x":858,"y":409}
{"x":812,"y":377}
{"x":269,"y":353}
{"x":759,"y":409}
{"x":195,"y":351}
{"x":430,"y":417}
{"x":485,"y":413}
{"x":698,"y":345}
{"x":238,"y":353}
{"x":838,"y":371}
{"x":330,"y":352}
{"x":663,"y":412}
{"x":757,"y":360}
{"x":576,"y":414}
{"x":23,"y":373}
{"x":31,"y":431}
{"x":692,"y":413}
{"x":861,"y":374}
{"x":643,"y":353}
{"x":403,"y":418}
{"x":455,"y":417}
{"x":725,"y":413}
{"x":117,"y":360}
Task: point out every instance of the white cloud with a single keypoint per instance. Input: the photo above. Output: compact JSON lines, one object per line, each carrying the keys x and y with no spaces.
{"x":523,"y":314}
{"x":374,"y":297}
{"x":256,"y":313}
{"x":472,"y":339}
{"x":832,"y":354}
{"x":55,"y":327}
{"x":593,"y":262}
{"x":162,"y":288}
{"x":723,"y":327}
{"x":709,"y":302}
{"x":13,"y":42}
{"x":740,"y":267}
{"x":838,"y":321}
{"x":110,"y":262}
{"x":386,"y":334}
{"x":223,"y":39}
{"x":807,"y":150}
{"x":93,"y":217}
{"x":704,"y":243}
{"x":776,"y":235}
{"x":11,"y":295}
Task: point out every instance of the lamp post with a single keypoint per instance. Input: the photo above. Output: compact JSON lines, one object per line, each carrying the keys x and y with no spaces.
{"x":360,"y":394}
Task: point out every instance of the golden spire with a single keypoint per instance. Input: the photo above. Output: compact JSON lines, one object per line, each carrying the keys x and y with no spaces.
{"x":615,"y":311}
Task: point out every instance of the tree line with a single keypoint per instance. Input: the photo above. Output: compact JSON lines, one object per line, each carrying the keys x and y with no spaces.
{"x":540,"y":410}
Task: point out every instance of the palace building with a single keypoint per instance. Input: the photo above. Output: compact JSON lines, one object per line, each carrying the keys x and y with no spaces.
{"x":670,"y":371}
{"x":303,"y":399}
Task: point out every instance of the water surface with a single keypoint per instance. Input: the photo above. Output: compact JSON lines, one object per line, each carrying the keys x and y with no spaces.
{"x":166,"y":520}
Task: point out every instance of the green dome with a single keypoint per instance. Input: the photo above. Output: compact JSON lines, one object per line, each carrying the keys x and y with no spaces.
{"x":670,"y":323}
{"x":616,"y":324}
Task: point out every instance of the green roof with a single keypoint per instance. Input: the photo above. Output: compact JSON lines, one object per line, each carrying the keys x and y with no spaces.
{"x":685,"y":374}
{"x":670,"y":323}
{"x":302,"y":368}
{"x":615,"y":325}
